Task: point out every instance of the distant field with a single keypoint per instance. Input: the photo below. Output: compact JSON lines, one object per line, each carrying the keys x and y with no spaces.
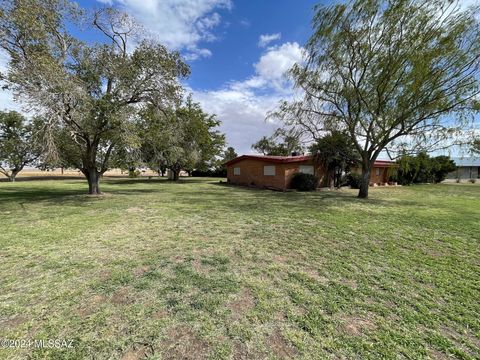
{"x":201,"y":270}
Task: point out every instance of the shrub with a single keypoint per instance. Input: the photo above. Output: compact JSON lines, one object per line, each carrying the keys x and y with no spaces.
{"x":132,"y":173}
{"x":353,"y":180}
{"x":304,"y":182}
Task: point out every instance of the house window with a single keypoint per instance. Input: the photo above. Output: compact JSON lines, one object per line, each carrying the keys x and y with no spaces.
{"x":377,"y":171}
{"x":236,"y":171}
{"x":306,"y":169}
{"x":269,"y":170}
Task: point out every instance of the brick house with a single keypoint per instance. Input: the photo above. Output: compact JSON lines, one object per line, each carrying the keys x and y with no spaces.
{"x":381,"y":171}
{"x":276,"y":172}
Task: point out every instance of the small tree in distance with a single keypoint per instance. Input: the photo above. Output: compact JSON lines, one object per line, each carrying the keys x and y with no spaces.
{"x":19,"y":143}
{"x":282,"y":143}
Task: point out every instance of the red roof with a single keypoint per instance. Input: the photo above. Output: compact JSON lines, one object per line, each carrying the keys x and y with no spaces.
{"x":385,"y":163}
{"x":294,"y":159}
{"x":271,"y":159}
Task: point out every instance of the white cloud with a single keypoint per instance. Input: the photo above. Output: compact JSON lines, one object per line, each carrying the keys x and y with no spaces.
{"x":266,"y":39}
{"x":179,"y":24}
{"x":277,"y":61}
{"x":242,"y":106}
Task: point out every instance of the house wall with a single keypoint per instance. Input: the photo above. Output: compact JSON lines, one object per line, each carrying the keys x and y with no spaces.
{"x":374,"y":178}
{"x":292,"y":168}
{"x":251,"y":174}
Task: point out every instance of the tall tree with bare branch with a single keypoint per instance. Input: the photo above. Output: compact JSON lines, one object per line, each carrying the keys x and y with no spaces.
{"x":394,"y":75}
{"x":93,"y":92}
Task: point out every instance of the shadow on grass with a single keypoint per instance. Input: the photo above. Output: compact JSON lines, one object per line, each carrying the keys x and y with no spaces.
{"x":221,"y":195}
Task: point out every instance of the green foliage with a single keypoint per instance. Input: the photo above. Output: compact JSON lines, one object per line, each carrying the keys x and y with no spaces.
{"x":304,"y":182}
{"x":353,"y":180}
{"x":91,"y":91}
{"x":185,"y":138}
{"x":133,"y":173}
{"x":389,"y":73}
{"x":336,"y":152}
{"x":229,"y":154}
{"x":424,"y":169}
{"x":281,"y":143}
{"x":19,"y":143}
{"x":475,"y":148}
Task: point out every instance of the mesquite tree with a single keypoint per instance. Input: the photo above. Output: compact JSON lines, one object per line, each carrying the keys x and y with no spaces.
{"x":392,"y":74}
{"x":92,"y":92}
{"x":19,"y":143}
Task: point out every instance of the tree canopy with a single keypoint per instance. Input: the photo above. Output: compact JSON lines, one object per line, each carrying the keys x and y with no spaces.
{"x":92,"y":92}
{"x":183,"y":138}
{"x":395,"y":75}
{"x":282,"y":143}
{"x":336,"y":152}
{"x":19,"y":143}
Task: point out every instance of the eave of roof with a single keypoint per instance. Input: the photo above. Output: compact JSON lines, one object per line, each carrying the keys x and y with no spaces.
{"x":271,"y":159}
{"x":294,"y":159}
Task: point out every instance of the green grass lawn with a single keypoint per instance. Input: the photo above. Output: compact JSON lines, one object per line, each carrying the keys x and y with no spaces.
{"x":200,"y":270}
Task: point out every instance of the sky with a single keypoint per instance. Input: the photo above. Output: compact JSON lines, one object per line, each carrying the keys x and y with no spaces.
{"x":238,"y":52}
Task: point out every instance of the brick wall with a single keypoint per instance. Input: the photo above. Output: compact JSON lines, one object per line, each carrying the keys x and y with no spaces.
{"x":251,"y":173}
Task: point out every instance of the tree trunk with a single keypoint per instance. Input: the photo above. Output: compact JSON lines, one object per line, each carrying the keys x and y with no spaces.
{"x":364,"y":182}
{"x":176,"y":175}
{"x":93,"y":178}
{"x":13,"y":175}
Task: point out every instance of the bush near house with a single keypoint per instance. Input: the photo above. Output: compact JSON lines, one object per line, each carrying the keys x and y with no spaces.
{"x":304,"y":182}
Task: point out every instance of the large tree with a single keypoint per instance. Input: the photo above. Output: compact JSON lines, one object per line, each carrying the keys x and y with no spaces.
{"x":89,"y":91}
{"x":19,"y":143}
{"x":392,"y":74}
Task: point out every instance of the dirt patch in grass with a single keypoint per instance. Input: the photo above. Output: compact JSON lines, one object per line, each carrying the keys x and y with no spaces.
{"x":182,"y":343}
{"x":122,"y":297}
{"x":134,"y":210}
{"x":139,"y":271}
{"x":280,"y":346}
{"x":13,"y":322}
{"x":89,"y":307}
{"x":137,"y":352}
{"x":242,"y":304}
{"x":438,"y":355}
{"x":242,"y":352}
{"x":160,"y":314}
{"x":356,"y":325}
{"x":198,"y":267}
{"x":352,"y":284}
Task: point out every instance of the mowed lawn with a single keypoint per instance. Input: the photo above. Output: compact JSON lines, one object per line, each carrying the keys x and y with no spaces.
{"x":201,"y":270}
